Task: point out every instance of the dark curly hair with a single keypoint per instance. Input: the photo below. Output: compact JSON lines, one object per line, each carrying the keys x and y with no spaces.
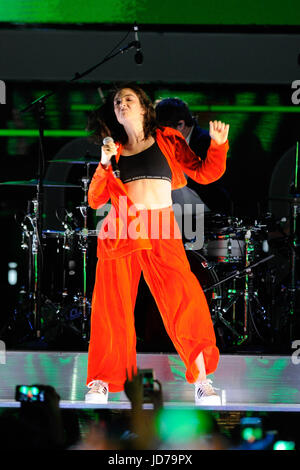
{"x":170,"y":111}
{"x":102,"y":121}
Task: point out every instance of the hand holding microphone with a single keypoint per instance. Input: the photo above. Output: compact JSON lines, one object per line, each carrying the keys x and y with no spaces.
{"x":108,"y":155}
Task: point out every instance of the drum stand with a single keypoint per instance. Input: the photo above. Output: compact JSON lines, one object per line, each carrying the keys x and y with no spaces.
{"x":30,"y":306}
{"x":83,"y":244}
{"x":217,"y":310}
{"x":249,"y":297}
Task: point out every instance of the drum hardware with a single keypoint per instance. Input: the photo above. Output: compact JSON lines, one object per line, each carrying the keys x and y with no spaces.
{"x":83,"y":244}
{"x":248,"y":294}
{"x":31,"y":301}
{"x":230,"y":245}
{"x":79,"y":302}
{"x":294,"y":242}
{"x":294,"y":201}
{"x":76,"y":162}
{"x":216,"y":304}
{"x":35,"y":255}
{"x":39,"y":105}
{"x":63,"y":242}
{"x":292,"y":284}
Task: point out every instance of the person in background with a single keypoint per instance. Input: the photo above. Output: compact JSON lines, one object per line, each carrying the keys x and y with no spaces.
{"x":175,"y":113}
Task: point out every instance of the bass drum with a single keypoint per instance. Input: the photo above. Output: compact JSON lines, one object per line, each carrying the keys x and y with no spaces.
{"x":150,"y":330}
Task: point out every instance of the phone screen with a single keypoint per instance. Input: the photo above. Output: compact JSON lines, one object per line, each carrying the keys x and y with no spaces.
{"x":25,"y":393}
{"x":148,"y":381}
{"x":251,"y":429}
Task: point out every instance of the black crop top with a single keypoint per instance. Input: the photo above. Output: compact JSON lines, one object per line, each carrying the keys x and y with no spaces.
{"x":148,"y":164}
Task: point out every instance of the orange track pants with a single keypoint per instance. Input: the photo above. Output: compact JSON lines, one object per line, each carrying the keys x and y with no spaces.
{"x":179,"y":298}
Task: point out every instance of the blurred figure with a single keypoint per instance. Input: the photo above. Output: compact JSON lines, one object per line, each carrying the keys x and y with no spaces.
{"x":175,"y":113}
{"x":143,"y":432}
{"x":35,"y":426}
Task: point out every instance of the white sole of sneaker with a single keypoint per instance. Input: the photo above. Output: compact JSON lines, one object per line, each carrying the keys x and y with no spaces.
{"x":96,"y":398}
{"x":208,"y":401}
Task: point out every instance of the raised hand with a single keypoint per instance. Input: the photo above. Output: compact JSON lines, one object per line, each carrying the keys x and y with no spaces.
{"x":218,"y":131}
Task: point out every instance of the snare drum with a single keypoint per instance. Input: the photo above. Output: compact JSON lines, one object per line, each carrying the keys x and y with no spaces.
{"x":224,"y":239}
{"x":225,"y":249}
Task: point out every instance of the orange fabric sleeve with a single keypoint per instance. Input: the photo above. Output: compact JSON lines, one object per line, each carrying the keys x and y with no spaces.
{"x":98,"y":193}
{"x":202,"y":171}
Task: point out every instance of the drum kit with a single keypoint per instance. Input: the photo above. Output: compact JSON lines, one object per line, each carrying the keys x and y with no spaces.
{"x":233,"y":250}
{"x":55,"y":296}
{"x":233,"y":267}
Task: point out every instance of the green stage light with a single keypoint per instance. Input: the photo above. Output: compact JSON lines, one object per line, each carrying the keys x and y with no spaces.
{"x":284,"y":445}
{"x":56,"y":133}
{"x":182,"y":425}
{"x":216,"y":108}
{"x":34,"y":391}
{"x":252,"y":434}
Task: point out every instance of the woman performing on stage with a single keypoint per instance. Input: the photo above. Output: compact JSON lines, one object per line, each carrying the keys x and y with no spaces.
{"x":140,"y":233}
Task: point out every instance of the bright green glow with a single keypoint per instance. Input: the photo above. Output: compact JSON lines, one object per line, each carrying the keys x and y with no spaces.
{"x":259,"y":373}
{"x":48,"y":133}
{"x":177,"y":373}
{"x":84,"y":272}
{"x":284,"y":445}
{"x":268,"y":123}
{"x":251,"y":434}
{"x":247,"y":109}
{"x":35,"y":391}
{"x":177,"y":368}
{"x":65,"y":360}
{"x":182,"y":425}
{"x":35,"y":269}
{"x":24,"y":389}
{"x":267,"y":12}
{"x":82,"y":107}
{"x":216,"y":108}
{"x":192,"y":98}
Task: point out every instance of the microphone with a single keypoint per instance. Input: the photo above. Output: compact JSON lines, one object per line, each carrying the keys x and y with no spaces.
{"x":138,"y":55}
{"x":113,"y":161}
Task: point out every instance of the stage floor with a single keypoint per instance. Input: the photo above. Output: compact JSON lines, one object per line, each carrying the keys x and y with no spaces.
{"x":245,"y":382}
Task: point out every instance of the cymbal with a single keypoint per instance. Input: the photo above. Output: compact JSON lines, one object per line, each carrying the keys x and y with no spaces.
{"x":80,"y":162}
{"x":35,"y":182}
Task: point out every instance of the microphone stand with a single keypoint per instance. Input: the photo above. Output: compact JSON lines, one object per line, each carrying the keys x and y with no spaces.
{"x":78,"y":75}
{"x":40,"y":105}
{"x":37,"y":249}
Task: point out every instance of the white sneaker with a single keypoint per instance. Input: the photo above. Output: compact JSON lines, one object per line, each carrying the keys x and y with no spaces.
{"x":98,"y":392}
{"x":205,"y":394}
